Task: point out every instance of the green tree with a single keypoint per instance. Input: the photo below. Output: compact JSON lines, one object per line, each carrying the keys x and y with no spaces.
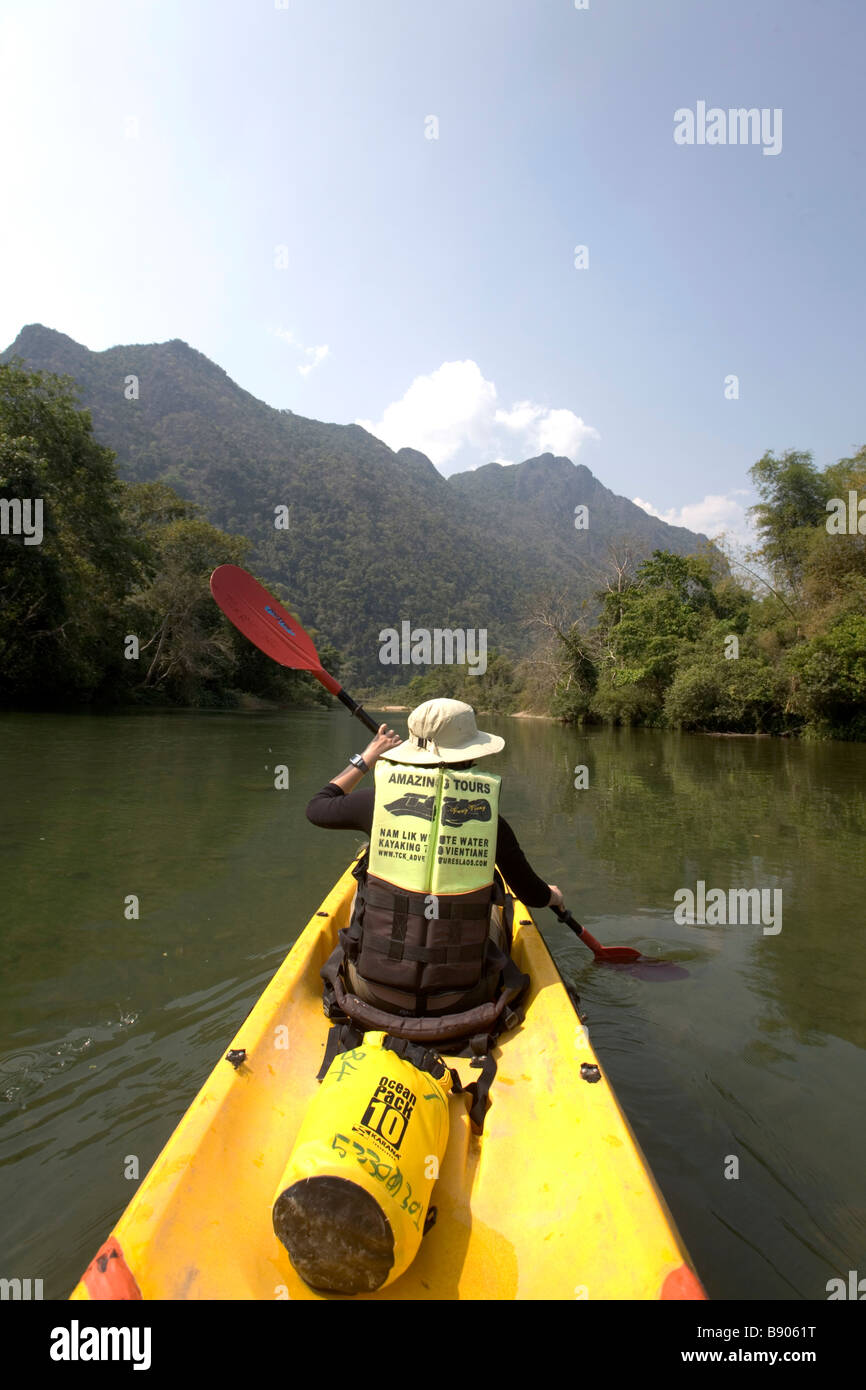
{"x":186,"y":648}
{"x":60,"y":632}
{"x":793,"y":502}
{"x":830,"y":673}
{"x":713,"y":692}
{"x":659,"y":653}
{"x":115,"y":560}
{"x":645,"y":629}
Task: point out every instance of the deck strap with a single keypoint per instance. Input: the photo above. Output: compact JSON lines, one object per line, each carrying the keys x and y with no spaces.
{"x":342,"y":1037}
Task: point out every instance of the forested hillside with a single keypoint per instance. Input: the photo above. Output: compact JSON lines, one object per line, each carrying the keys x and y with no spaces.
{"x":680,"y":644}
{"x":111,"y":604}
{"x":374,"y":536}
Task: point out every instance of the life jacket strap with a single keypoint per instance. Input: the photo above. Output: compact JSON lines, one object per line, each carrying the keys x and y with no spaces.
{"x":397,"y":940}
{"x":414,"y":904}
{"x":426,"y":955}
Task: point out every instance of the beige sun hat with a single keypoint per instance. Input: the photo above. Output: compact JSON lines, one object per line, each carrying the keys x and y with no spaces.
{"x":442,"y":731}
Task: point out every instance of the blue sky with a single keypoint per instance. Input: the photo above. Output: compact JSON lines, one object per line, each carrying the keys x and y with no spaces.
{"x":259,"y":181}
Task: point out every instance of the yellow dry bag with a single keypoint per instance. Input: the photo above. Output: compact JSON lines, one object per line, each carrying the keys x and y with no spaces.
{"x":352,"y":1203}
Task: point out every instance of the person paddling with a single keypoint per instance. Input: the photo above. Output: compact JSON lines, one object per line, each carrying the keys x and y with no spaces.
{"x":426,"y":954}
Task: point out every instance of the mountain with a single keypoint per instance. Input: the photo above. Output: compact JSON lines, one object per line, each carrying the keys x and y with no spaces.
{"x":545,"y":492}
{"x":375,"y":536}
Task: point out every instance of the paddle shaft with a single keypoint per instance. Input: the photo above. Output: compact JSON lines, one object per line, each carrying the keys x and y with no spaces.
{"x":565,"y":916}
{"x":356,"y":709}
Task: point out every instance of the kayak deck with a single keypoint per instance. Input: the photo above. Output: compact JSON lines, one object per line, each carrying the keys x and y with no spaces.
{"x":553,"y":1201}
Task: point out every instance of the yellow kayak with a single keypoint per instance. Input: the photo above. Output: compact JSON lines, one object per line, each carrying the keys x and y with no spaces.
{"x":553,"y":1201}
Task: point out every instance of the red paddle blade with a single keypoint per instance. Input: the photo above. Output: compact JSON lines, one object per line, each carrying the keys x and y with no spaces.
{"x":617,"y":955}
{"x":613,"y":955}
{"x":266,"y":623}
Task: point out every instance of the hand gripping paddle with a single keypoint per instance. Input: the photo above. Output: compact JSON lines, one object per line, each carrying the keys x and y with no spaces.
{"x":268,"y":625}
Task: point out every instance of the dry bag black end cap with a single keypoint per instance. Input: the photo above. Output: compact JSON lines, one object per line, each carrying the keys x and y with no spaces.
{"x":337,"y":1235}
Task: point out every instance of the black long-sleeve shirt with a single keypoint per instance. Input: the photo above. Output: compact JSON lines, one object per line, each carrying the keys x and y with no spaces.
{"x":334,"y":809}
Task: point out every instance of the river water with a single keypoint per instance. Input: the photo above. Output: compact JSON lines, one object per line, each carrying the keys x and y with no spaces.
{"x":750,"y":1059}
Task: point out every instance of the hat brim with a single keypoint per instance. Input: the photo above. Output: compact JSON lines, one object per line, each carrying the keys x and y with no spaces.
{"x":482,"y":746}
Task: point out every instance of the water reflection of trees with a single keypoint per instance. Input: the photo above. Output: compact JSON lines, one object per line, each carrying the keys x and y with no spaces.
{"x":663,"y":810}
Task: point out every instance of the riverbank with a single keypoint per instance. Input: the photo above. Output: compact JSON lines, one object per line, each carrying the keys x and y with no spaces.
{"x":518,"y":714}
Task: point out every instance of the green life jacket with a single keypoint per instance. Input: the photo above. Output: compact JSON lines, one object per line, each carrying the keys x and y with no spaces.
{"x":434,"y":830}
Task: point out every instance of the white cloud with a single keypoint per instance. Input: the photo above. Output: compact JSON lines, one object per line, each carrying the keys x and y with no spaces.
{"x":563,"y":432}
{"x":454,"y":407}
{"x":439,"y":413}
{"x":716,"y":513}
{"x":315,"y":355}
{"x":521,"y":416}
{"x":546,"y":431}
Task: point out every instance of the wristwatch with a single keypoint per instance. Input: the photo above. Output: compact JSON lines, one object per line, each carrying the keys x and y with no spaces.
{"x":357,"y":761}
